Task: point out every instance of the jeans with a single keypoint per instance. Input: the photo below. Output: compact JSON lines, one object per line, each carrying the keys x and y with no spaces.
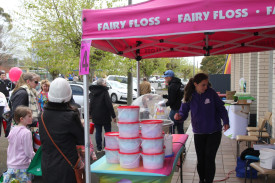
{"x":177,"y":123}
{"x":98,"y":134}
{"x":206,"y":146}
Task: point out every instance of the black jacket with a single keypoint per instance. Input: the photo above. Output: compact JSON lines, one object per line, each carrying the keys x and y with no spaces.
{"x":174,"y":94}
{"x":101,"y":107}
{"x":5,"y":86}
{"x":66,"y":130}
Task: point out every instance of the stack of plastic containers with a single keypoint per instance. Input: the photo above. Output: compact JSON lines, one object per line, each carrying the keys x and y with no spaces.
{"x":129,"y":138}
{"x":152,"y":144}
{"x":111,"y":147}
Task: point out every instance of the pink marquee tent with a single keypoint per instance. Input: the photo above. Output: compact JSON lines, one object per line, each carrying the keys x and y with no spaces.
{"x":173,"y":28}
{"x":178,"y":28}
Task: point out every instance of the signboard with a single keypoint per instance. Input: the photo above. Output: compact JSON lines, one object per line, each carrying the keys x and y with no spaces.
{"x":84,"y":57}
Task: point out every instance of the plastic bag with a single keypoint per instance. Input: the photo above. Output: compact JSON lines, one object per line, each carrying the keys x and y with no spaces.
{"x":35,"y":166}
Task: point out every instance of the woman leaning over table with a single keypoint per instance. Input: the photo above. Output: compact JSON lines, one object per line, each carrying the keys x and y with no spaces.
{"x":207,"y":110}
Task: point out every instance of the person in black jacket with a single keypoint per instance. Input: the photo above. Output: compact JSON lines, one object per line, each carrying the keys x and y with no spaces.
{"x":5,"y":85}
{"x":66,"y":130}
{"x":101,"y":110}
{"x":174,"y":98}
{"x":24,"y":94}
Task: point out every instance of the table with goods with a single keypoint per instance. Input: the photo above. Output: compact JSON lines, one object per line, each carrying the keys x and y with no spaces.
{"x":140,"y":151}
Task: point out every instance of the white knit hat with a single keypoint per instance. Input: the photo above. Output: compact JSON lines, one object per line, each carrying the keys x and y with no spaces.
{"x":60,"y":91}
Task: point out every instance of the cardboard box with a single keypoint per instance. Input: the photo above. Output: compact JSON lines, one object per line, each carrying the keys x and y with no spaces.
{"x":230,"y":95}
{"x":244,"y":101}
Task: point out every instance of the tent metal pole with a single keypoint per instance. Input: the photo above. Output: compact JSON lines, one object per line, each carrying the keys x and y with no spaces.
{"x":138,"y":78}
{"x":86,"y":129}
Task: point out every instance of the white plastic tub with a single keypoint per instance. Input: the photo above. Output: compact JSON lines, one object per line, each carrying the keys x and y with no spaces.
{"x":128,"y":113}
{"x":129,"y":144}
{"x":151,"y":128}
{"x":152,"y":145}
{"x":267,"y":158}
{"x":111,"y":140}
{"x":112,"y":155}
{"x":128,"y":129}
{"x":153,"y":160}
{"x":129,"y":160}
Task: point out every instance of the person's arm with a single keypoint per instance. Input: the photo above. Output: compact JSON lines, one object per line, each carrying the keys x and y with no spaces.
{"x":184,"y":110}
{"x":109,"y":105}
{"x":219,"y":104}
{"x":77,"y":129}
{"x":27,"y":145}
{"x":20,"y":98}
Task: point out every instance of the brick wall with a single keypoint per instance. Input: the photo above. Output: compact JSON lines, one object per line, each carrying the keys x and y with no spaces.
{"x":262,"y":81}
{"x":253,"y":80}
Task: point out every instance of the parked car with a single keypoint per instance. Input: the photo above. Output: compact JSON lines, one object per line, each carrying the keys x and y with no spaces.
{"x":124,"y":80}
{"x":118,"y":91}
{"x":160,"y":80}
{"x":78,"y":93}
{"x":152,"y":79}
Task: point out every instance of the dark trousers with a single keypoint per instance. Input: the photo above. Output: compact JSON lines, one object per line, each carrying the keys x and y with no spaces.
{"x":98,"y":134}
{"x":178,"y":124}
{"x":206,"y":148}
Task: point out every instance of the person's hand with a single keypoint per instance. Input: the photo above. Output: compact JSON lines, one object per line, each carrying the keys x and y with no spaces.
{"x":226,"y":127}
{"x":177,"y":116}
{"x":114,"y":120}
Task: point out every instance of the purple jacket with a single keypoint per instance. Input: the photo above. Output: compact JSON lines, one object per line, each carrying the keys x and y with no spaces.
{"x":207,"y":110}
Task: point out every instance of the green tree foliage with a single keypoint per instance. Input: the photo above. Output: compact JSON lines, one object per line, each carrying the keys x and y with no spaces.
{"x":55,"y":26}
{"x":213,"y":64}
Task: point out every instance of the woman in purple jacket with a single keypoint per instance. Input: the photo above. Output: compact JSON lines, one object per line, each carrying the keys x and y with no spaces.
{"x":207,"y":110}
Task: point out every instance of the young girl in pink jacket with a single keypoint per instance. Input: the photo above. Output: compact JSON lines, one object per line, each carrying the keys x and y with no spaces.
{"x":20,"y":150}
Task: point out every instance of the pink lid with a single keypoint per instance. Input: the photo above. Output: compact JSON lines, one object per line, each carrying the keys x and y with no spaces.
{"x":128,"y":122}
{"x":111,"y":149}
{"x":148,"y":154}
{"x":111,"y":134}
{"x":151,"y":121}
{"x":128,"y":107}
{"x":152,"y":138}
{"x":128,"y":153}
{"x":128,"y":137}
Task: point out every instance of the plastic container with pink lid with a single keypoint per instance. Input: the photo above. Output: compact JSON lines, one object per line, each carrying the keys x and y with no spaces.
{"x":111,"y":140}
{"x":112,"y":155}
{"x":129,"y":144}
{"x":152,"y":145}
{"x":151,"y":128}
{"x":153,"y":160}
{"x":128,"y":113}
{"x":128,"y":129}
{"x":129,"y":160}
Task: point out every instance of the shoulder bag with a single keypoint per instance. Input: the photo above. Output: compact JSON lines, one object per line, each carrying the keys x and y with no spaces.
{"x":78,"y":169}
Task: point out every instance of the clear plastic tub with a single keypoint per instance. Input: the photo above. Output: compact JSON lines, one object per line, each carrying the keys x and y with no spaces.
{"x":153,"y":160}
{"x":128,"y":129}
{"x":129,"y":160}
{"x":152,"y":145}
{"x":129,"y":144}
{"x":128,"y":113}
{"x":151,"y":128}
{"x":112,"y":155}
{"x":111,"y":140}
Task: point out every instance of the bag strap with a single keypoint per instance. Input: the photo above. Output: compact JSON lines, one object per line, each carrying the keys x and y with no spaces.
{"x":55,"y":143}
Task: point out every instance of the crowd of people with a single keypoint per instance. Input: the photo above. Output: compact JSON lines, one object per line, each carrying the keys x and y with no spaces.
{"x":52,"y":110}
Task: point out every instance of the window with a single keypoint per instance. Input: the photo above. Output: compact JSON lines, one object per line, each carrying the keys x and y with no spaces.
{"x":77,"y":90}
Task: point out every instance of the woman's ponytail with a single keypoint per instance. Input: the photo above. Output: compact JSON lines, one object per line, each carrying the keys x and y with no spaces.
{"x":188,"y":90}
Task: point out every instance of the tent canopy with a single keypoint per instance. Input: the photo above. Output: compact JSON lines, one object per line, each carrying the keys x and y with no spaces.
{"x":173,"y":28}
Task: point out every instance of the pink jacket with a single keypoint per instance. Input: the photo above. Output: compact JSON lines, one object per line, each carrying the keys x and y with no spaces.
{"x":20,"y":150}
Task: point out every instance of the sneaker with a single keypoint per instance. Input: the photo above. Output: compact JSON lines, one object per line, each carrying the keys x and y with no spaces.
{"x":98,"y":151}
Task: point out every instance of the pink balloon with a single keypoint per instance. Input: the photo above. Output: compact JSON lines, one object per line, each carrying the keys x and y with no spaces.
{"x":15,"y":74}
